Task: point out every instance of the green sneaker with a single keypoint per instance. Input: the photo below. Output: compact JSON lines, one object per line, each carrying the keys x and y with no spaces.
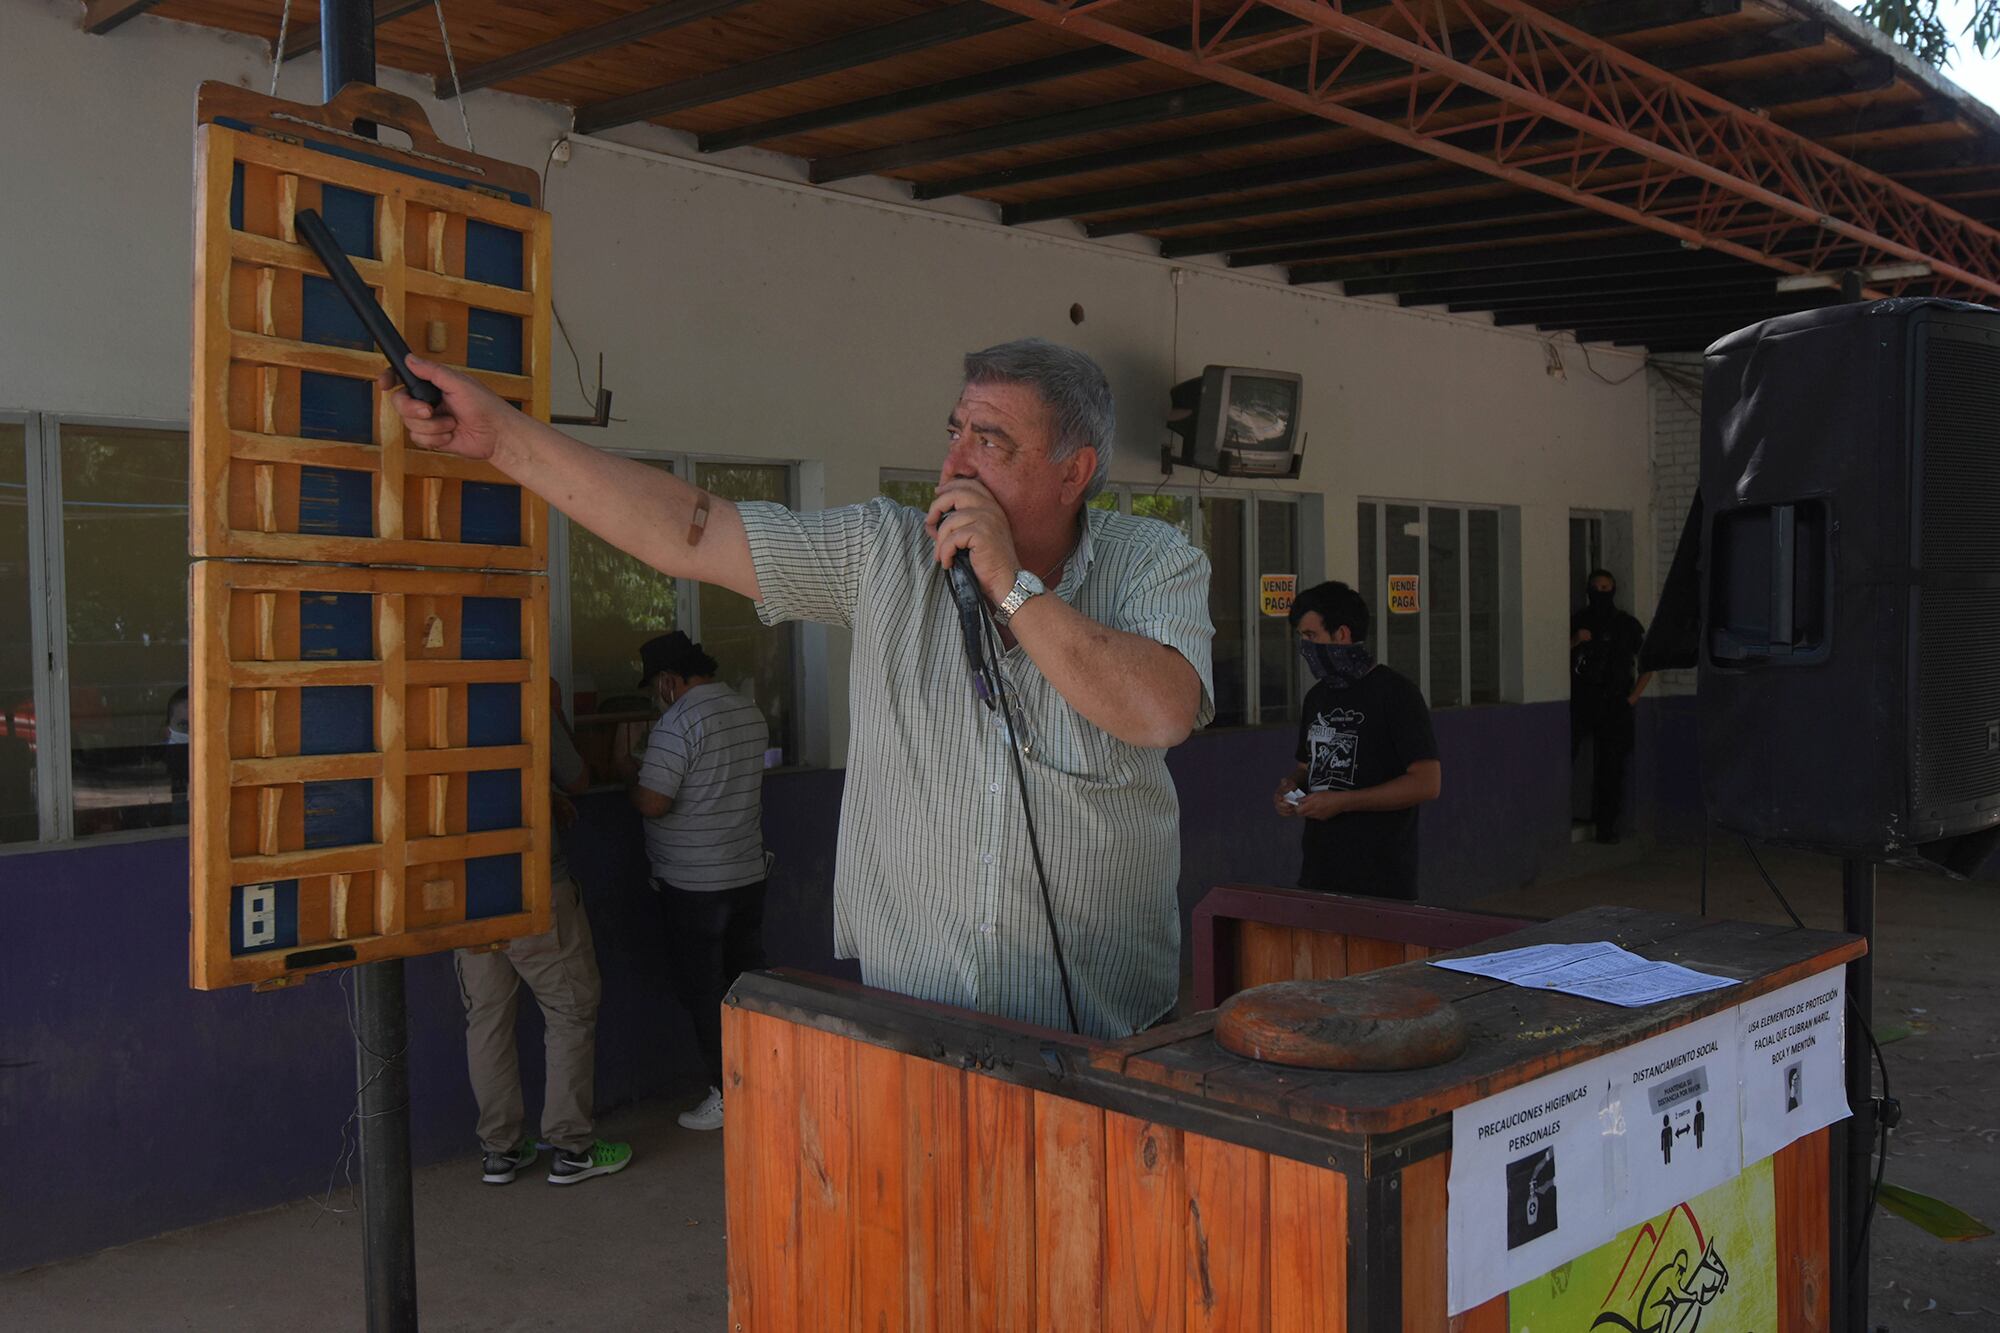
{"x":498,"y":1168}
{"x":599,"y":1159}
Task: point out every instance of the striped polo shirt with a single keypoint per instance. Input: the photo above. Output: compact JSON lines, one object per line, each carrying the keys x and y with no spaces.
{"x":935,"y":889}
{"x":707,"y":753}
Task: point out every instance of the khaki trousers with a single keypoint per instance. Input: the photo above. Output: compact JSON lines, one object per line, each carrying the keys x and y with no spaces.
{"x":560,"y":967}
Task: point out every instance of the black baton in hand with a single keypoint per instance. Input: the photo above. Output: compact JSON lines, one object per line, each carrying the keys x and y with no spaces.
{"x":365,"y":307}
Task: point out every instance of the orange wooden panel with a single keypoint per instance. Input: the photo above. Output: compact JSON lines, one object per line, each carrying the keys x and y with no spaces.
{"x":1799,"y":1198}
{"x":1416,"y":953}
{"x":1000,"y":1206}
{"x":748,"y":1105}
{"x":1308,"y":1248}
{"x":879,"y":1219}
{"x":934,"y":1175}
{"x":1318,"y":955}
{"x":1263,"y":954}
{"x":1423,"y":1192}
{"x":1365,"y":955}
{"x":770,"y":1228}
{"x":827,"y":1181}
{"x":1228,"y":1243}
{"x":1069,"y":1214}
{"x":1488,"y":1318}
{"x":1145,"y":1209}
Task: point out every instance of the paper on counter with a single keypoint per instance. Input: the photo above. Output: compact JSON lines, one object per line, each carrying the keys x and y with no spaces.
{"x":1596,"y":971}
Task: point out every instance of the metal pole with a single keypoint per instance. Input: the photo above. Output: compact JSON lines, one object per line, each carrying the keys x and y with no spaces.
{"x":381,"y":1017}
{"x":388,"y":1224}
{"x":1857,"y":883}
{"x":346,"y":45}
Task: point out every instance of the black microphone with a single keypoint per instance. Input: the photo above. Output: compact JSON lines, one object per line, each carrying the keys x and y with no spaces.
{"x":971,"y":607}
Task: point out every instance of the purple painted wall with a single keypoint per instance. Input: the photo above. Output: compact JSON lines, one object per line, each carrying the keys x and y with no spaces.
{"x":196,"y":1106}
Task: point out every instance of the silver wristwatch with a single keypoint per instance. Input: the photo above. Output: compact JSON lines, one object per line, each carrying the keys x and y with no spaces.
{"x":1026,"y":585}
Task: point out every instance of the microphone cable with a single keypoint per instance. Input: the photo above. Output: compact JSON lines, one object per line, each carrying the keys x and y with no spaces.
{"x":998,"y":678}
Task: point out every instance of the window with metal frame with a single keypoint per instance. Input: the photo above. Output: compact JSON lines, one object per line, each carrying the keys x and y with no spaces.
{"x":605,"y":604}
{"x":118,"y":573}
{"x":1440,"y":582}
{"x":20,"y":794}
{"x":1246,"y":534}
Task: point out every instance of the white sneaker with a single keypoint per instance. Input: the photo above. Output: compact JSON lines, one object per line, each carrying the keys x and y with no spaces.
{"x":706,"y":1116}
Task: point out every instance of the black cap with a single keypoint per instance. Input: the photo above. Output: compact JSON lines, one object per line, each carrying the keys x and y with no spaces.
{"x":673,"y":652}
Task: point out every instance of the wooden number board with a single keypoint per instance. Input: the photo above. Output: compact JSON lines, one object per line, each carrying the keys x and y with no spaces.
{"x":370,"y":739}
{"x":297,"y":456}
{"x":369,"y":776}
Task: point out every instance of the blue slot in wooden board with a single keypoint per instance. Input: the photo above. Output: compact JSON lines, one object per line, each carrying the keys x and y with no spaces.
{"x":336,"y":626}
{"x":492,"y":341}
{"x":340,"y":814}
{"x":492,"y":886}
{"x":493,"y":254}
{"x":489,"y":629}
{"x":336,"y":719}
{"x":336,"y":502}
{"x":385,"y":164}
{"x":236,"y":196}
{"x":492,"y":714}
{"x":490,"y":513}
{"x":264,"y":916}
{"x":334,"y":407}
{"x":327,"y":319}
{"x":492,"y":800}
{"x":350,"y":216}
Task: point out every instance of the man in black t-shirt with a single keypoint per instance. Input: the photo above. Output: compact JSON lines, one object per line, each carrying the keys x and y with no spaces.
{"x":1604,"y":686}
{"x":1366,"y":755}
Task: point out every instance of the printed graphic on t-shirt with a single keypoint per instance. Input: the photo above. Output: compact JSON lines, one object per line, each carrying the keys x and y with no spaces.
{"x":1334,"y":743}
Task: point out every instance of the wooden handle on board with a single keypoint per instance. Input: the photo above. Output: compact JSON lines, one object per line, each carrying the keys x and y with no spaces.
{"x":364,"y":102}
{"x":359,"y":102}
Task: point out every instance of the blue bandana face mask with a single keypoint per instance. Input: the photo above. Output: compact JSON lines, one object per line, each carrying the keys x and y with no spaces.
{"x":1337,"y":664}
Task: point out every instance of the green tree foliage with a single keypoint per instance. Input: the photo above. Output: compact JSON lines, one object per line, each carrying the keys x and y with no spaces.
{"x":1918,"y":25}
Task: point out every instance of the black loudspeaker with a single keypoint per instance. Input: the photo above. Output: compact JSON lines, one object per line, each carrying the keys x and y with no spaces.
{"x":1850,"y":582}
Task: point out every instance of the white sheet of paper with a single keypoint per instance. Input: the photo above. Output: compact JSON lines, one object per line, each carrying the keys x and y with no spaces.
{"x":1527,"y":1186}
{"x":1675,"y":1130}
{"x":1596,"y":971}
{"x":1791,"y":1049}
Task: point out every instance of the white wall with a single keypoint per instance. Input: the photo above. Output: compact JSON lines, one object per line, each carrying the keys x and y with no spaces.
{"x":756,"y":317}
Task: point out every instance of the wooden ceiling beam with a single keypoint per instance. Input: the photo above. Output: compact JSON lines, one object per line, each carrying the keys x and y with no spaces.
{"x":585,"y":41}
{"x":1419,"y":287}
{"x":1068,"y":65}
{"x":1793,"y":90}
{"x":920,"y":32}
{"x":1530,"y":232}
{"x":1399,"y":222}
{"x":101,"y":16}
{"x":1182,"y":103}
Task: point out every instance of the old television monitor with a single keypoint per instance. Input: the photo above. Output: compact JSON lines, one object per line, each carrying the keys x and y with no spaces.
{"x":1238,"y":422}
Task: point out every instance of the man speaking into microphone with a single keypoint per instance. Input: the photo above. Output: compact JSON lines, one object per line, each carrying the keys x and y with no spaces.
{"x":1104,"y":643}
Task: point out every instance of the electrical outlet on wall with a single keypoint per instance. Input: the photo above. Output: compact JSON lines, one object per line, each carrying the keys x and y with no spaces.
{"x":260,"y":915}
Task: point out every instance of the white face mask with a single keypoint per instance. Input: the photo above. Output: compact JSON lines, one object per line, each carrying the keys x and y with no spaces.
{"x":177,"y":736}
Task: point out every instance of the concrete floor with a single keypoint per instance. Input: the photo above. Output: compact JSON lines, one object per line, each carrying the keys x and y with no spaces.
{"x":639,"y":1249}
{"x":644,"y":1249}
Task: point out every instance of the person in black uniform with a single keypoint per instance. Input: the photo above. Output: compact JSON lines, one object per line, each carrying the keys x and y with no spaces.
{"x":1366,"y":755}
{"x":1604,"y":687}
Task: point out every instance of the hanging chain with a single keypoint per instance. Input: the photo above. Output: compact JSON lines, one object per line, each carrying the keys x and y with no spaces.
{"x":451,"y":63}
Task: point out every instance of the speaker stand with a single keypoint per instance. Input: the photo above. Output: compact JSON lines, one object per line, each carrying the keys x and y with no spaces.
{"x":1858,"y":1134}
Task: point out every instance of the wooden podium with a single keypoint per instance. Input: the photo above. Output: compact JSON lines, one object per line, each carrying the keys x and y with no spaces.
{"x":897,"y":1164}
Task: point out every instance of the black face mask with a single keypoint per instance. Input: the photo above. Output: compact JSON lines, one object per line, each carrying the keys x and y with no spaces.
{"x":1602,"y":601}
{"x":1337,"y":664}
